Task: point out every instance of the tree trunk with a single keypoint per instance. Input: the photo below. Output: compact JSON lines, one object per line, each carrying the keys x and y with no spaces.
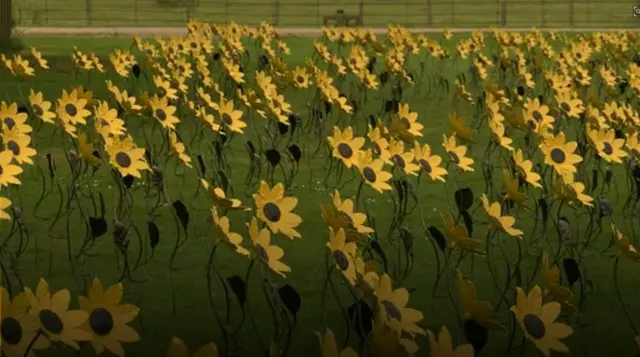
{"x":5,"y":24}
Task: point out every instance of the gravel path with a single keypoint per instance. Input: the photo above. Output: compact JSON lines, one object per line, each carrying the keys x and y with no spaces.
{"x":177,"y":31}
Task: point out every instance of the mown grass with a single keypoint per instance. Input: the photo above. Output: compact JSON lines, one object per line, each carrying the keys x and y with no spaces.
{"x":601,"y":331}
{"x":309,"y":13}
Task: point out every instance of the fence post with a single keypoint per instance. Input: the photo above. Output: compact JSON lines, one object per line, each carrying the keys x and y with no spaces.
{"x":361,"y":12}
{"x":571,"y":13}
{"x":135,"y":12}
{"x":276,"y":14}
{"x":453,"y":12}
{"x":503,"y":20}
{"x":318,"y":17}
{"x":429,"y":14}
{"x":46,"y":12}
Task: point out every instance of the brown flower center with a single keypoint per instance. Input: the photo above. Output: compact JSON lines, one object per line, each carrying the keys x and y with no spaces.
{"x":123,"y":159}
{"x":345,"y":150}
{"x":11,"y":331}
{"x":272,"y":211}
{"x":160,"y":114}
{"x":71,"y":109}
{"x":607,"y":149}
{"x":341,"y":260}
{"x":227,"y":118}
{"x":558,"y":156}
{"x":426,"y":166}
{"x":392,"y":310}
{"x":14,"y":147}
{"x":51,"y":321}
{"x":369,"y":174}
{"x":565,"y":106}
{"x":399,"y":161}
{"x":534,"y":326}
{"x":262,"y":253}
{"x":37,"y":109}
{"x":101,"y":322}
{"x":9,"y":122}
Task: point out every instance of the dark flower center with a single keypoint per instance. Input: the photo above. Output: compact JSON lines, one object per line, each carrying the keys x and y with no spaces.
{"x":14,"y":147}
{"x":101,"y":322}
{"x":565,"y":106}
{"x":607,"y":149}
{"x":123,"y":159}
{"x":160,"y":114}
{"x":51,"y":321}
{"x":9,"y":122}
{"x":392,"y":310}
{"x":262,"y":253}
{"x":454,"y":157}
{"x":399,"y":161}
{"x":536,"y":115}
{"x":227,"y":118}
{"x":405,"y":121}
{"x":300,"y":79}
{"x":11,"y":331}
{"x":426,"y":166}
{"x":341,"y":260}
{"x":71,"y":109}
{"x":345,"y":150}
{"x":37,"y":109}
{"x":369,"y":174}
{"x":558,"y":156}
{"x":272,"y":211}
{"x":1,"y":170}
{"x":534,"y":326}
{"x":376,"y":148}
{"x":104,"y":123}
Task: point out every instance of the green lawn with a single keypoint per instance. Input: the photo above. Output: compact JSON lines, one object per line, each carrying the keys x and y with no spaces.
{"x":309,"y":13}
{"x":600,"y":331}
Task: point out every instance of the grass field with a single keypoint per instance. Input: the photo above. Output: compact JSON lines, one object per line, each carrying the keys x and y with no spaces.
{"x":601,"y":330}
{"x":309,"y":13}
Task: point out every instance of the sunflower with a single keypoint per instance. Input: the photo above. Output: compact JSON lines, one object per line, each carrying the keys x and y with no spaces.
{"x":126,"y":157}
{"x":18,"y":144}
{"x":163,"y":112}
{"x":560,"y":154}
{"x":330,"y":347}
{"x":512,"y":186}
{"x":570,"y":190}
{"x":4,"y":204}
{"x":179,"y":349}
{"x":393,"y":302}
{"x":87,"y":151}
{"x":233,"y":70}
{"x":21,"y":67}
{"x":368,"y":79}
{"x":164,"y":88}
{"x":460,"y":128}
{"x":625,"y":244}
{"x":429,"y":164}
{"x":178,"y":149}
{"x":401,"y":158}
{"x":607,"y":146}
{"x":300,"y":78}
{"x":356,"y":219}
{"x":275,"y":209}
{"x":224,"y":235}
{"x":71,"y":108}
{"x":460,"y":236}
{"x":538,"y":321}
{"x":442,"y":346}
{"x":502,"y":223}
{"x":8,"y":172}
{"x":10,"y":118}
{"x":479,"y":311}
{"x":107,"y":122}
{"x":108,"y":318}
{"x":499,"y":135}
{"x":269,"y":254}
{"x":525,"y":169}
{"x":409,"y":120}
{"x":220,"y":199}
{"x":343,"y":254}
{"x":372,"y":171}
{"x":230,"y":117}
{"x":19,"y":328}
{"x":344,"y":146}
{"x":569,"y":104}
{"x":389,"y":342}
{"x":536,"y":114}
{"x":551,"y":282}
{"x":41,"y":108}
{"x":457,"y":153}
{"x":55,"y":319}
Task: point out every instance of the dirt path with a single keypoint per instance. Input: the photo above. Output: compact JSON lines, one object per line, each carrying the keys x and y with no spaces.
{"x":177,"y":31}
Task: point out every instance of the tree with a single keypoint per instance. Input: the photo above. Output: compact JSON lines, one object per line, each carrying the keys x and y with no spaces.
{"x":6,"y":23}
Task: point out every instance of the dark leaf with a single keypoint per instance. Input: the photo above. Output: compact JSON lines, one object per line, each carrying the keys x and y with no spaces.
{"x":52,"y":166}
{"x":201,"y":164}
{"x":383,"y":77}
{"x":407,"y":238}
{"x":216,"y":56}
{"x":282,"y":128}
{"x":378,"y":249}
{"x":154,"y":234}
{"x":476,"y":334}
{"x":328,"y":107}
{"x":239,"y":288}
{"x":520,"y":90}
{"x":295,"y":152}
{"x":182,"y":213}
{"x":608,"y":175}
{"x":291,"y":299}
{"x":136,"y":70}
{"x":594,"y":179}
{"x":361,"y":316}
{"x":464,"y":198}
{"x":371,"y":65}
{"x":544,"y":210}
{"x":128,"y":181}
{"x":147,"y":156}
{"x":273,"y":156}
{"x":224,"y":180}
{"x":619,"y":134}
{"x":103,"y":209}
{"x":468,"y":222}
{"x":23,"y":109}
{"x":251,"y":148}
{"x":98,"y":226}
{"x":294,"y":120}
{"x":572,"y":270}
{"x":372,"y":121}
{"x":389,"y":105}
{"x":263,"y":61}
{"x":438,"y":237}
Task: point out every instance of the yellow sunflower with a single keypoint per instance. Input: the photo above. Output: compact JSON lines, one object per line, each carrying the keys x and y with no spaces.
{"x":10,"y":118}
{"x":231,"y":117}
{"x":163,"y":112}
{"x":107,"y":122}
{"x":330,"y":347}
{"x":525,"y":169}
{"x":472,"y":309}
{"x":538,"y":321}
{"x":300,"y":78}
{"x":275,"y":209}
{"x":18,"y":144}
{"x":409,"y":120}
{"x":219,"y":198}
{"x":108,"y":318}
{"x":343,"y":254}
{"x":625,"y":244}
{"x":178,"y":149}
{"x":442,"y":346}
{"x":372,"y":171}
{"x":269,"y":254}
{"x":460,"y":128}
{"x":457,"y":154}
{"x":56,"y":321}
{"x":460,"y":236}
{"x":402,"y":159}
{"x":126,"y":157}
{"x":41,"y":108}
{"x":512,"y":188}
{"x":356,"y":219}
{"x":344,"y":146}
{"x":560,"y":154}
{"x":499,"y":135}
{"x":4,"y":204}
{"x":502,"y":223}
{"x":8,"y":172}
{"x":570,"y":190}
{"x":607,"y":146}
{"x":19,"y":328}
{"x":429,"y":164}
{"x":393,"y":302}
{"x":71,"y":108}
{"x":179,"y":349}
{"x":389,"y":342}
{"x":223,"y":233}
{"x":569,"y":104}
{"x":87,"y":151}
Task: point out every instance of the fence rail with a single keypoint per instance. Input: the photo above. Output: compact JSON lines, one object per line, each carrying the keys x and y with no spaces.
{"x":299,"y":13}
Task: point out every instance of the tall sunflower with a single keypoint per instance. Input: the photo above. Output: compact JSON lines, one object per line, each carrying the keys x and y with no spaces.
{"x":372,"y":171}
{"x":538,"y":321}
{"x":401,"y":158}
{"x":356,"y":219}
{"x":126,"y":157}
{"x":56,"y":321}
{"x":607,"y":146}
{"x":269,"y":254}
{"x":8,"y":172}
{"x":560,"y":154}
{"x":163,"y":112}
{"x":41,"y":108}
{"x":219,"y":198}
{"x":71,"y":108}
{"x":275,"y":209}
{"x":10,"y":118}
{"x":460,"y":236}
{"x":502,"y":223}
{"x":460,"y":128}
{"x":442,"y":346}
{"x":18,"y":327}
{"x":224,"y":234}
{"x":525,"y":169}
{"x":343,"y":254}
{"x":457,"y":153}
{"x":178,"y":149}
{"x":19,"y":145}
{"x":429,"y":164}
{"x":344,"y":146}
{"x":4,"y":204}
{"x":231,"y":117}
{"x":409,"y":120}
{"x":393,"y":302}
